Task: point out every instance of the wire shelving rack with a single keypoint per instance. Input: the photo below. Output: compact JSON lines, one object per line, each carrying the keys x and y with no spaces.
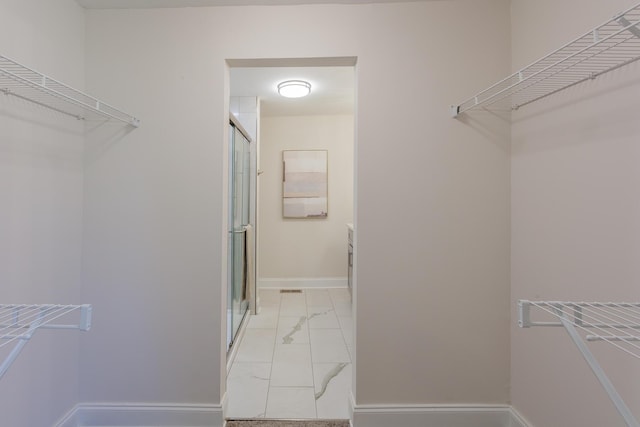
{"x":613,"y":323}
{"x":18,"y":323}
{"x":605,"y":48}
{"x":30,"y":85}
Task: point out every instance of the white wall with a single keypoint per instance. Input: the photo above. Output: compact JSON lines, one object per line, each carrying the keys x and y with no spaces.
{"x":575,"y":217}
{"x":41,"y":188}
{"x":432,"y":213}
{"x":153,"y":211}
{"x":432,"y":203}
{"x":307,"y":249}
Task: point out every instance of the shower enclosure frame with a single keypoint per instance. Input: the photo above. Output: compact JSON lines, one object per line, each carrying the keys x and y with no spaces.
{"x":241,"y":182}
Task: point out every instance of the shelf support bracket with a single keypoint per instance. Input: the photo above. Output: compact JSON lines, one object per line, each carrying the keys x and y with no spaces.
{"x":11,"y":357}
{"x":597,"y":369}
{"x":20,"y":322}
{"x":633,"y":29}
{"x":524,"y":314}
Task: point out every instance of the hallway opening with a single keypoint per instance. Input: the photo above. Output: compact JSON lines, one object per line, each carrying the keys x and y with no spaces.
{"x":292,"y":357}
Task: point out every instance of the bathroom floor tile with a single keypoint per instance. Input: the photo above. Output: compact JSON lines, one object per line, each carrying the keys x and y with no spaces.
{"x":346,"y":324}
{"x":328,"y":345}
{"x":275,"y":310}
{"x":293,"y":298}
{"x":292,"y":366}
{"x":332,"y":388}
{"x":293,"y":330}
{"x":266,"y":319}
{"x":256,"y":346}
{"x":294,"y":361}
{"x":247,"y":389}
{"x":322,"y":318}
{"x":291,"y":402}
{"x":343,"y":308}
{"x":318,"y":297}
{"x":293,"y":305}
{"x":340,"y":294}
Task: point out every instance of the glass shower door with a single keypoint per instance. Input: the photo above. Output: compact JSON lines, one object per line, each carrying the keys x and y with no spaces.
{"x":239,"y":193}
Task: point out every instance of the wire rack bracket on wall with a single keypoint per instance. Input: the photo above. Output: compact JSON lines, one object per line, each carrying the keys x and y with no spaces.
{"x":605,"y":48}
{"x":25,"y":83}
{"x":18,"y":323}
{"x":613,"y":323}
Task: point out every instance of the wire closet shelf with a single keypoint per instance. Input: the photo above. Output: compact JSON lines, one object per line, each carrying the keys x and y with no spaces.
{"x":18,"y":323}
{"x":614,"y":323}
{"x":30,"y":85}
{"x":605,"y":48}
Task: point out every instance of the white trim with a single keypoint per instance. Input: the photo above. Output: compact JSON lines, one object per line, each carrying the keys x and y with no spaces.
{"x":225,"y":403}
{"x":361,"y":415}
{"x":471,"y":415}
{"x":302,"y":283}
{"x":143,"y":414}
{"x":231,"y":355}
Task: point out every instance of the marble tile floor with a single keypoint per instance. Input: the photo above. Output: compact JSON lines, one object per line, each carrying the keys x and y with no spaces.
{"x":294,"y":361}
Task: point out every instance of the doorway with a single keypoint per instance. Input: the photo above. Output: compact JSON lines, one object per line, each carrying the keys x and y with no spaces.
{"x":282,"y":368}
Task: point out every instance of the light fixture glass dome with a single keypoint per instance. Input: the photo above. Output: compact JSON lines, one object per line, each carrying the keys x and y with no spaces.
{"x":294,"y":88}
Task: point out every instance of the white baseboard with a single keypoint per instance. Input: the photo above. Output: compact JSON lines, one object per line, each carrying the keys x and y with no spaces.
{"x":302,"y":283}
{"x":125,"y":414}
{"x":435,"y":416}
{"x":131,"y":414}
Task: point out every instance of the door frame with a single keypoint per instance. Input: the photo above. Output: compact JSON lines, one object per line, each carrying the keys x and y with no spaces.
{"x":347,"y":61}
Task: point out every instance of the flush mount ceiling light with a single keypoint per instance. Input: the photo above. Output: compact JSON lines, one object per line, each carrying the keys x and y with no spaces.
{"x":294,"y":88}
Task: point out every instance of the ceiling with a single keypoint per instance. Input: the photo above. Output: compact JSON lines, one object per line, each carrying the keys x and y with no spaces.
{"x":140,"y":4}
{"x":332,"y":89}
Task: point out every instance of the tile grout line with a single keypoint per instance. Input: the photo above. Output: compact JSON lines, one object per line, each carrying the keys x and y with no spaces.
{"x":339,"y":366}
{"x":273,"y":355}
{"x":314,"y":384}
{"x":342,"y":331}
{"x":313,"y":377}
